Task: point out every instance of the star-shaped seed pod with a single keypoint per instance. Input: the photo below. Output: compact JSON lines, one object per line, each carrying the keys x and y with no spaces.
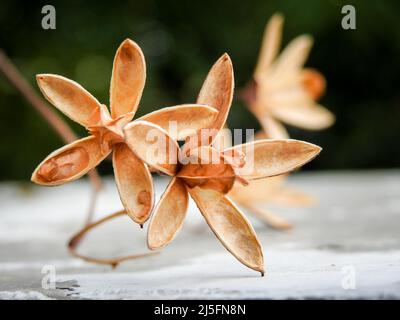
{"x":105,"y":129}
{"x":257,"y":193}
{"x":207,"y":174}
{"x":282,"y":90}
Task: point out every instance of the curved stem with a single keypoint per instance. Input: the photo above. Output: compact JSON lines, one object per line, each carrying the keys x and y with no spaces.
{"x":113,"y":262}
{"x":92,"y":205}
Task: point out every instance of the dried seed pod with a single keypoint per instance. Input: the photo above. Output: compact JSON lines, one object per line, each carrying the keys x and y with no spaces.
{"x":188,"y":118}
{"x":270,"y":45}
{"x":308,"y":117}
{"x":281,"y":89}
{"x":70,"y":98}
{"x":258,"y":191}
{"x":169,"y":215}
{"x":207,"y":174}
{"x":272,"y":128}
{"x":127,"y":80}
{"x":208,"y":169}
{"x":217,"y":91}
{"x":69,"y":162}
{"x":132,"y":175}
{"x":134,"y":182}
{"x":153,"y":145}
{"x":230,"y":226}
{"x":132,"y":143}
{"x":314,"y":83}
{"x":293,"y":56}
{"x":275,"y":157}
{"x":270,"y":190}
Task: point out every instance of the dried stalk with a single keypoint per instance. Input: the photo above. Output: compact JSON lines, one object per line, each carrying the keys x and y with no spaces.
{"x":59,"y":125}
{"x":113,"y":262}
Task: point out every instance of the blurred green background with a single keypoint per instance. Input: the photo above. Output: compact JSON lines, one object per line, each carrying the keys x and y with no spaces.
{"x":181,"y":40}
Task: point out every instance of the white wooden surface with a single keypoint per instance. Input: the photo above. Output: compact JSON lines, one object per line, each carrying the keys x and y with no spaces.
{"x":353,"y":231}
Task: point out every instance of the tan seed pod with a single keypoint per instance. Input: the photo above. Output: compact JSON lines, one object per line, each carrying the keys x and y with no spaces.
{"x":314,"y":83}
{"x":134,"y":183}
{"x":307,"y":117}
{"x":128,"y":79}
{"x":217,"y":91}
{"x":275,"y":157}
{"x":208,"y":174}
{"x":169,"y":215}
{"x":106,"y":135}
{"x":271,"y":190}
{"x":230,"y":226}
{"x":153,"y":145}
{"x":189,"y":118}
{"x":106,"y":129}
{"x":282,"y":90}
{"x":270,"y":45}
{"x":69,"y":162}
{"x":209,"y":170}
{"x":70,"y":98}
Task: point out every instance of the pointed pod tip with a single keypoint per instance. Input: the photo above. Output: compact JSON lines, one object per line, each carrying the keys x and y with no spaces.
{"x":317,"y":149}
{"x":307,"y":39}
{"x":33,"y":179}
{"x":40,"y":77}
{"x":226,"y":58}
{"x":127,"y":40}
{"x":43,"y":78}
{"x":308,"y":146}
{"x":312,"y":146}
{"x":114,"y":265}
{"x":129,"y":43}
{"x":151,"y":246}
{"x":45,"y":75}
{"x":310,"y":38}
{"x":332,"y":119}
{"x":278,"y":16}
{"x":313,"y":151}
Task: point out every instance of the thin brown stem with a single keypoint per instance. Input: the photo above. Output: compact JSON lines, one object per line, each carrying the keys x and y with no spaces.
{"x":18,"y":81}
{"x":113,"y":262}
{"x":92,"y":205}
{"x":59,"y":125}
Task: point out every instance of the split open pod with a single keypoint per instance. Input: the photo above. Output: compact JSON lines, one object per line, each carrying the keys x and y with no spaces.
{"x":271,"y":190}
{"x":206,"y":174}
{"x":105,"y":128}
{"x":132,"y":176}
{"x":282,"y":90}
